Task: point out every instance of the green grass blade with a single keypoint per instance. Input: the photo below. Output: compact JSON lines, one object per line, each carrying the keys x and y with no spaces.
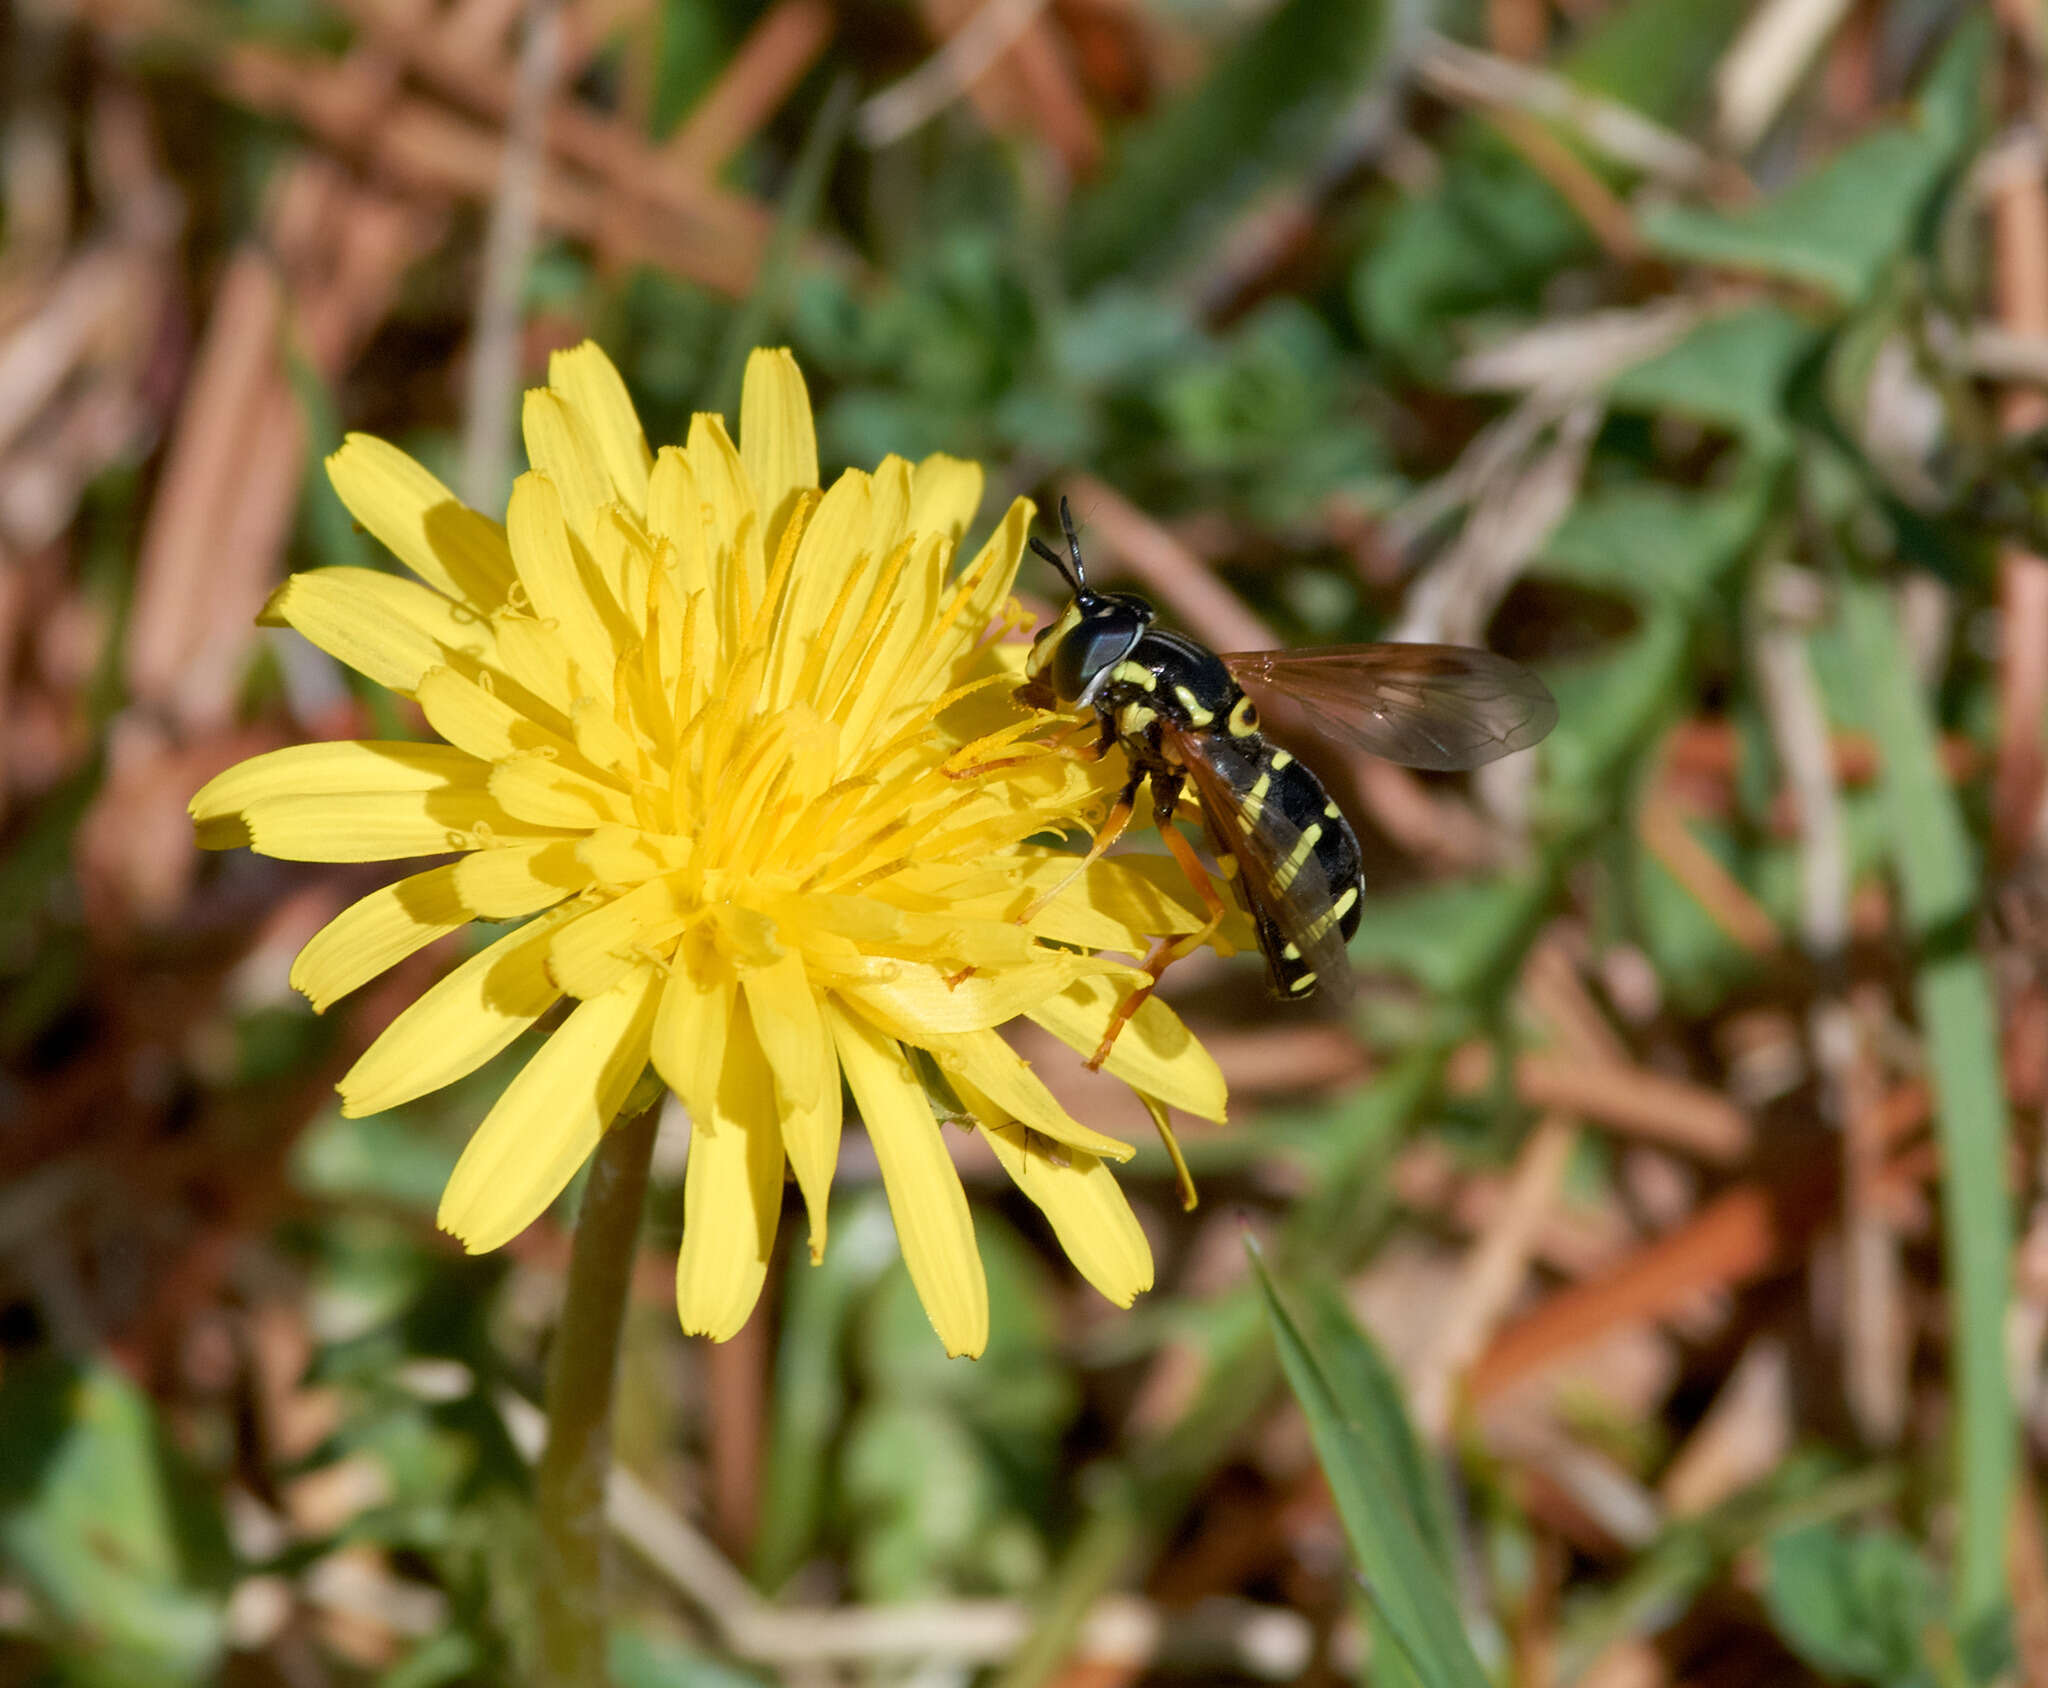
{"x":1374,"y":1470}
{"x":758,"y":315}
{"x":1952,"y":992}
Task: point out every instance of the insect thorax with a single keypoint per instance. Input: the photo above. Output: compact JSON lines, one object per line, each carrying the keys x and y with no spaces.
{"x":1168,"y":678}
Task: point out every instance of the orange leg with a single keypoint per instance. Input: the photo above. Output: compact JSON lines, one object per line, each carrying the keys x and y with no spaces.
{"x":1166,"y":951}
{"x":1112,"y":828}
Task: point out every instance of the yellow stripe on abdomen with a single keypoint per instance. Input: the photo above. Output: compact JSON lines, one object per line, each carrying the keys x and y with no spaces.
{"x":1286,"y":873}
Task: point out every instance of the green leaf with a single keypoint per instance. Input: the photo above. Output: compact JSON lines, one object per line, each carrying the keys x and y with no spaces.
{"x":1444,"y":936}
{"x":1653,"y":543}
{"x":1606,"y":709}
{"x":1854,"y":1605}
{"x":1370,"y":1390}
{"x":1269,"y":104}
{"x":381,"y":1157}
{"x":1838,"y":226}
{"x":1952,"y":992}
{"x":1834,"y":229}
{"x":641,"y":1660}
{"x":88,"y":1520}
{"x":1730,"y":372}
{"x":1495,"y":230}
{"x":1374,"y":1472}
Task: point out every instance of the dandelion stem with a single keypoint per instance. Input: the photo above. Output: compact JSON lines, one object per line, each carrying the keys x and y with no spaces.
{"x":582,"y":1368}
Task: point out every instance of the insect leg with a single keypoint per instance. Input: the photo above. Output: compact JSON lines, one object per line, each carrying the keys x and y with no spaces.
{"x":1112,"y":828}
{"x":1166,"y":789}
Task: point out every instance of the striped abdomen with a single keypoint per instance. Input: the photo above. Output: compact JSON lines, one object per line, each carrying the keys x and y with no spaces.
{"x":1315,"y":828}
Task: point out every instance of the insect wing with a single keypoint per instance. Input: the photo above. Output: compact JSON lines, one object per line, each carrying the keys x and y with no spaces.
{"x":1296,"y":904}
{"x":1425,"y":706}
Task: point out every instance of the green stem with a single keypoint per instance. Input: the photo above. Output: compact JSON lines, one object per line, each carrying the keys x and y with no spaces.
{"x":582,"y":1369}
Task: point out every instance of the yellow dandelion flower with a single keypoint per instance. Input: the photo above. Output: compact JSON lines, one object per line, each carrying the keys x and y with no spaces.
{"x":741,"y":759}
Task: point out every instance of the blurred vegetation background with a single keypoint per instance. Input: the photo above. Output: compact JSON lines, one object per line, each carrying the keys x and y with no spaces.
{"x":1684,"y":1155}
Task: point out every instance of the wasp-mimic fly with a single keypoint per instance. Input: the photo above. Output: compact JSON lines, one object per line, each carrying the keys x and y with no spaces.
{"x":1186,"y":716}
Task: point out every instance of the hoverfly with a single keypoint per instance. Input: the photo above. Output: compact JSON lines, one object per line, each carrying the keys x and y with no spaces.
{"x":1185,"y":715}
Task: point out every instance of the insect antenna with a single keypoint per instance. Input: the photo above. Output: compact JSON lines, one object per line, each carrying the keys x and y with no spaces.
{"x":1057,"y":561}
{"x":1073,"y":543}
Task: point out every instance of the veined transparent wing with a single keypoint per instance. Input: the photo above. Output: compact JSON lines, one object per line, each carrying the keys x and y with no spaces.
{"x":1284,"y":884}
{"x":1425,"y":706}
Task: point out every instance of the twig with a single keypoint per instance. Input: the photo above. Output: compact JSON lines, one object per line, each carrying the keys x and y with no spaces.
{"x":1580,"y":354}
{"x":2020,"y":244}
{"x":1261,"y":1641}
{"x":909,"y":104}
{"x":762,"y":72}
{"x":1491,"y":1276}
{"x":1799,"y":733}
{"x":1732,"y":1240}
{"x":1464,"y":74}
{"x":1723,"y":898}
{"x":508,"y":250}
{"x":1874,"y":1356}
{"x":1646,"y":1105}
{"x":1746,"y":1433}
{"x":1765,"y":62}
{"x":735,"y":1388}
{"x":1606,"y":215}
{"x":1456,"y":595}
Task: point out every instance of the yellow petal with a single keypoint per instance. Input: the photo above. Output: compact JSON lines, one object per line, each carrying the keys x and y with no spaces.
{"x":560,"y":446}
{"x":955,"y":630}
{"x":731,"y":518}
{"x":387,"y":628}
{"x":925,"y":1197}
{"x":1089,"y":1212}
{"x":732,"y":1194}
{"x":676,"y":513}
{"x":479,"y":721}
{"x":515,"y":879}
{"x":550,"y":1117}
{"x":791,"y":1028}
{"x":690,"y":1037}
{"x":381,"y":827}
{"x":826,"y":563}
{"x":589,"y":381}
{"x":881,"y":690}
{"x":1119,"y":904}
{"x":623,"y":558}
{"x":601,"y":740}
{"x":919,"y":999}
{"x":945,"y":493}
{"x":778,"y":442}
{"x":377,"y":932}
{"x":533,"y":654}
{"x":625,"y":855}
{"x":343,"y":767}
{"x":421,"y":523}
{"x":889,"y":510}
{"x":991,"y":1066}
{"x":457,"y":1025}
{"x":562,"y":589}
{"x":589,"y":955}
{"x":339,"y":765}
{"x":541,"y":791}
{"x":1155,"y":1053}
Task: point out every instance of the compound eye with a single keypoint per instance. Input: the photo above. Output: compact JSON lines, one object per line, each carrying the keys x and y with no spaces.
{"x":1088,"y":650}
